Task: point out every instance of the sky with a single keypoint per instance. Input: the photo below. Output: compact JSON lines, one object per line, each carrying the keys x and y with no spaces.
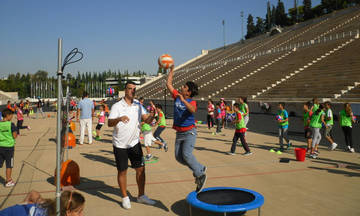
{"x":117,"y":34}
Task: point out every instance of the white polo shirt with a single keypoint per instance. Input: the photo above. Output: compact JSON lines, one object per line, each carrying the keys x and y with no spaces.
{"x":127,"y":135}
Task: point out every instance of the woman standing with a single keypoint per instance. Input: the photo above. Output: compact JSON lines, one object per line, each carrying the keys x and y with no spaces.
{"x":346,"y":121}
{"x":210,"y":115}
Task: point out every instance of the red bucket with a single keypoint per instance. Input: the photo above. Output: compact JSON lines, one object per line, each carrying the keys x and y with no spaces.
{"x":300,"y":154}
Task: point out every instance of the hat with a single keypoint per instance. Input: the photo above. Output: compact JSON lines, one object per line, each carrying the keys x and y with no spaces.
{"x":221,"y":98}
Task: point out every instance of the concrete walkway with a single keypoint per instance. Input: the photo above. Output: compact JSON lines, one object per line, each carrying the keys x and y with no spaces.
{"x":328,"y":185}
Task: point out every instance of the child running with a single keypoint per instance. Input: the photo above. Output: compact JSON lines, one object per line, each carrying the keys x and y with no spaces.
{"x":329,"y":119}
{"x":101,"y":121}
{"x":240,"y":130}
{"x":244,"y":108}
{"x":307,"y":130}
{"x":184,"y":124}
{"x":283,"y":123}
{"x":346,"y":121}
{"x":149,"y":139}
{"x":161,"y":122}
{"x":20,"y":120}
{"x":8,"y":134}
{"x":317,"y":119}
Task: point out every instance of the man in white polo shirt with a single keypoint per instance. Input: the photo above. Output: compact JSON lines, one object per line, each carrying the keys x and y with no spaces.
{"x":125,"y":116}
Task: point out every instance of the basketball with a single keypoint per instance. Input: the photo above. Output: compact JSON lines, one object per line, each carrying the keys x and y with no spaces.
{"x":165,"y":61}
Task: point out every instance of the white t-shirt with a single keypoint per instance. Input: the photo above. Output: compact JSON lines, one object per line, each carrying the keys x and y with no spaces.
{"x":329,"y":114}
{"x":127,"y":135}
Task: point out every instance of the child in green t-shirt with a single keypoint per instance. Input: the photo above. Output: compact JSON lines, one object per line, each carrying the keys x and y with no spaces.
{"x":8,"y":133}
{"x":161,"y":122}
{"x":283,"y":123}
{"x":329,"y":120}
{"x":307,"y":129}
{"x":316,"y":122}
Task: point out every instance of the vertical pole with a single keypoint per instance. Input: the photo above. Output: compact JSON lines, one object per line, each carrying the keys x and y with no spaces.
{"x":58,"y":128}
{"x":223,"y":23}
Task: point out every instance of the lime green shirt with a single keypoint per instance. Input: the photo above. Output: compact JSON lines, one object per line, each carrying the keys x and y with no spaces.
{"x":345,"y":120}
{"x":284,"y":115}
{"x":241,"y":124}
{"x":315,"y":107}
{"x":6,"y":137}
{"x":306,"y":118}
{"x":162,"y":122}
{"x":316,"y":120}
{"x":145,"y":127}
{"x":329,"y":114}
{"x":243,"y":108}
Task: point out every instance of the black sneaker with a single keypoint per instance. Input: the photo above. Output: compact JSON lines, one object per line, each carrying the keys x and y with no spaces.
{"x":166,"y":148}
{"x":200,"y":183}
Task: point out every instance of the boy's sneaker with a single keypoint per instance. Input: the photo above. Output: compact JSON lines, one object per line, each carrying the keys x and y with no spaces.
{"x":126,"y":203}
{"x":166,"y":148}
{"x":200,"y":182}
{"x":97,"y":138}
{"x":148,"y":157}
{"x":348,"y":147}
{"x":333,"y":146}
{"x":289,"y":145}
{"x":10,"y":183}
{"x":145,"y":200}
{"x":248,"y":153}
{"x":313,"y":156}
{"x":316,"y":152}
{"x":28,"y":127}
{"x":231,"y":153}
{"x":352,"y":150}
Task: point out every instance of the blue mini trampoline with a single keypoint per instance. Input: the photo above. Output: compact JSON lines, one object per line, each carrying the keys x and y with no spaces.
{"x":225,"y":200}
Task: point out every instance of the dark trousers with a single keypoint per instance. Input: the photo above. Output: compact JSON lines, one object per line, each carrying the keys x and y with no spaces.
{"x":210,"y":121}
{"x":348,"y":136}
{"x":243,"y":142}
{"x":157,"y":133}
{"x":20,"y":126}
{"x":218,"y":125}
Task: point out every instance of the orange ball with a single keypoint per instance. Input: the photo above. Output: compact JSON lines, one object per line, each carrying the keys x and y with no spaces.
{"x":165,"y":61}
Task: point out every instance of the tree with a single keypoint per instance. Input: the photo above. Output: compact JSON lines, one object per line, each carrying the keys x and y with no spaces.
{"x":250,"y":27}
{"x":268,"y":17}
{"x":280,"y":15}
{"x":260,"y":26}
{"x":308,"y":13}
{"x":273,"y":15}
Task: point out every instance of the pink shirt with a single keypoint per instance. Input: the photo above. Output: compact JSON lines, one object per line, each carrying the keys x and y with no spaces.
{"x":19,"y":115}
{"x":102,"y":118}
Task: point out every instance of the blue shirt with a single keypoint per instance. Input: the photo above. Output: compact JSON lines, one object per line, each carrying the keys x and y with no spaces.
{"x":182,"y":116}
{"x":86,"y":106}
{"x":284,"y":115}
{"x":23,"y":210}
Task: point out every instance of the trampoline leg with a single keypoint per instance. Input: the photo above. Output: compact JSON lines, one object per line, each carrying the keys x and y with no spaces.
{"x":190,"y":210}
{"x":259,"y":213}
{"x":224,"y":213}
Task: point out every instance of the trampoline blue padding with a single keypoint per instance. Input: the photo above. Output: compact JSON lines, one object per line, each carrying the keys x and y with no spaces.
{"x":225,"y":199}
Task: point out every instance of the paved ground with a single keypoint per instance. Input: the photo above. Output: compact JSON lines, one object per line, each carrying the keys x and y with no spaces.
{"x":328,"y":185}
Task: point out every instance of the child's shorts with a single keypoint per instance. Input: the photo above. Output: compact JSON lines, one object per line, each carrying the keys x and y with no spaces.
{"x":308,"y":133}
{"x":98,"y":126}
{"x":7,"y":155}
{"x":148,"y":138}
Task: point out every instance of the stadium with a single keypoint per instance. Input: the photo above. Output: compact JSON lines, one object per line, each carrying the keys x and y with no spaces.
{"x":86,"y":150}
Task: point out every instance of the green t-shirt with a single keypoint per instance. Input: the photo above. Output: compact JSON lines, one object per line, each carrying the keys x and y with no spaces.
{"x":329,"y":114}
{"x":6,"y":137}
{"x":315,"y":107}
{"x":162,"y":122}
{"x":284,"y":115}
{"x":316,"y":120}
{"x":243,"y":108}
{"x":306,"y":118}
{"x":345,"y":120}
{"x":145,"y":127}
{"x":240,"y":124}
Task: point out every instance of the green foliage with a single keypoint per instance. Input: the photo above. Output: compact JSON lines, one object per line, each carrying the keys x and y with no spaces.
{"x":40,"y":84}
{"x":308,"y":13}
{"x":251,"y":29}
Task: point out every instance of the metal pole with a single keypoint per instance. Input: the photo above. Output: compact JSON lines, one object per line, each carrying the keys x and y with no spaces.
{"x":58,"y":129}
{"x":223,"y":22}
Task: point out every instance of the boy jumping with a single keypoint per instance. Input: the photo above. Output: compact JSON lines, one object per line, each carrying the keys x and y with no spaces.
{"x":184,"y":124}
